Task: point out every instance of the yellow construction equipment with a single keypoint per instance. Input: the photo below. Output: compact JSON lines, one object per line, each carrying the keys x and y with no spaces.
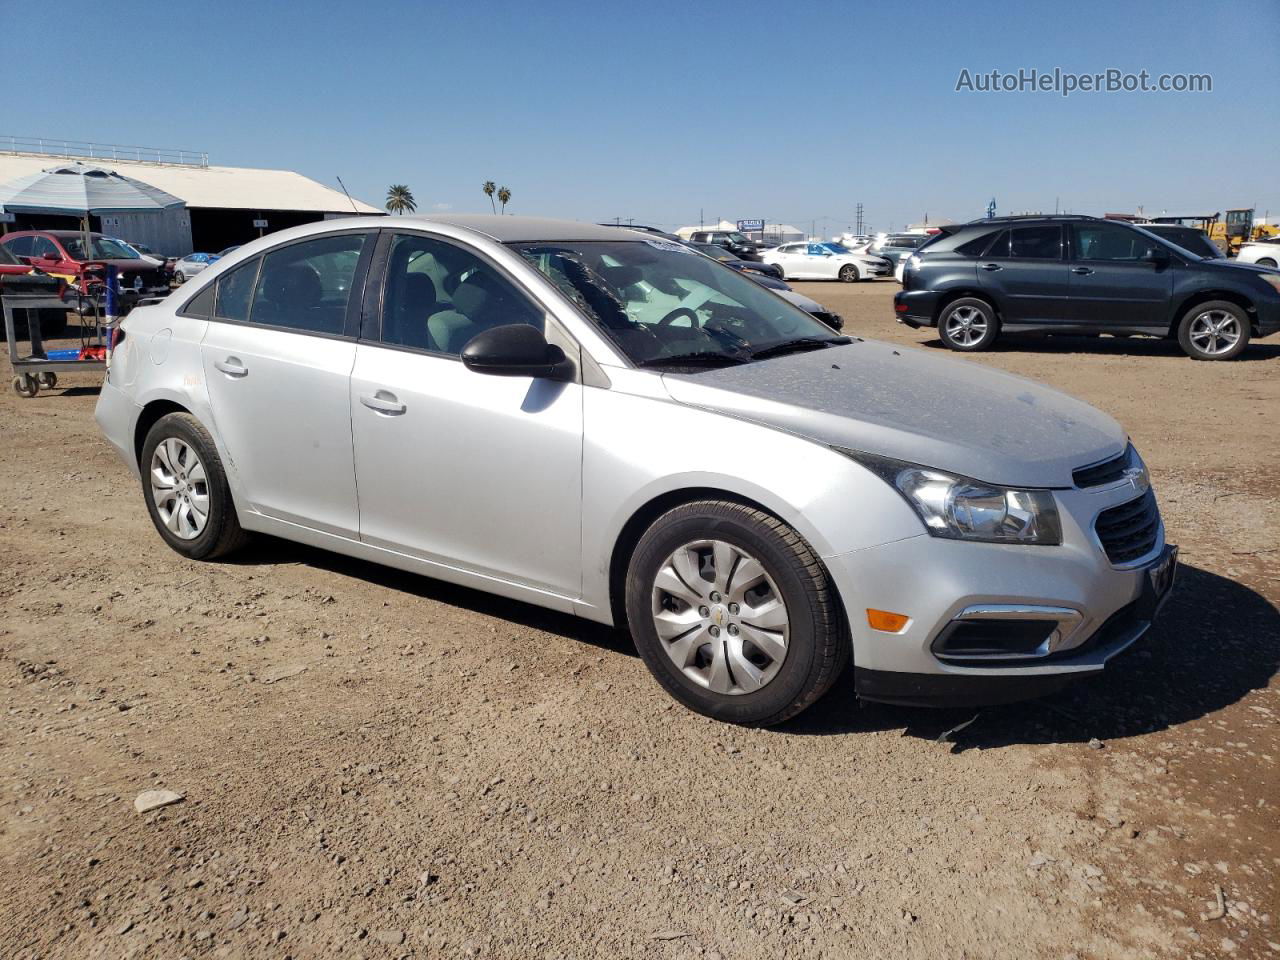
{"x":1237,"y":229}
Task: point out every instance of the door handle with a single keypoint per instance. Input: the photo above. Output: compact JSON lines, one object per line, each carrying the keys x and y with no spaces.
{"x":232,"y":367}
{"x":385,"y":402}
{"x":1082,"y":271}
{"x":991,"y":266}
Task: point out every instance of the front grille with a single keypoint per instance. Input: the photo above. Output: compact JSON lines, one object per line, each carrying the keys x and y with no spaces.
{"x":1129,"y":531}
{"x":1100,"y":474}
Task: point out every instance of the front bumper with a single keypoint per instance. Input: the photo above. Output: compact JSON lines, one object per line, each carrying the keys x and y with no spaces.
{"x":936,"y":581}
{"x":1268,"y":317}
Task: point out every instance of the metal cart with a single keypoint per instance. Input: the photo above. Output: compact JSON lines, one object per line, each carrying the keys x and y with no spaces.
{"x":38,"y":369}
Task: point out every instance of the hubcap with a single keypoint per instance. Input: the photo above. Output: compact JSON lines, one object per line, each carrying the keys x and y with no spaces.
{"x":966,"y":325}
{"x":720,"y":617}
{"x":179,"y":488}
{"x":1215,"y":332}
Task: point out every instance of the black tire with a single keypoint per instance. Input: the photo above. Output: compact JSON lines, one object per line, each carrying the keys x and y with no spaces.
{"x":849,"y":274}
{"x":818,"y":642}
{"x":179,"y":278}
{"x":1266,"y":262}
{"x":967,"y":307}
{"x":26,"y":386}
{"x":222,"y":533}
{"x":782,"y":273}
{"x":1188,"y":326}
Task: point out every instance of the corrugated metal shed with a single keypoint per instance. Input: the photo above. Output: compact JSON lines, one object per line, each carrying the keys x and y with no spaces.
{"x":239,"y":188}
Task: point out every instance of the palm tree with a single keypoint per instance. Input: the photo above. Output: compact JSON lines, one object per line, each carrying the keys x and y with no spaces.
{"x":488,"y":189}
{"x":400,"y":199}
{"x":504,"y":197}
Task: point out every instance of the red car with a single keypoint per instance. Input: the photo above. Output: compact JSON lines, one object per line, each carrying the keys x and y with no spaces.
{"x":61,"y":253}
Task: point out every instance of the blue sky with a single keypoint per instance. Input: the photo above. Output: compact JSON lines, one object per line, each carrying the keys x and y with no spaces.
{"x":790,"y":111}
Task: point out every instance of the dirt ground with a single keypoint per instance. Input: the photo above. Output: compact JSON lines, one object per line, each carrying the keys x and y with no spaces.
{"x":380,"y":765}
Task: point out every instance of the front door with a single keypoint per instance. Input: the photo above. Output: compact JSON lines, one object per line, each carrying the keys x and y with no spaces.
{"x":476,"y":472}
{"x":1027,"y":275}
{"x":1113,"y":281}
{"x":277,"y":360}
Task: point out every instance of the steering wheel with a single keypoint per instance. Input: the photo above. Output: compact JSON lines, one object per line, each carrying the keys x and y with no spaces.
{"x":677,"y":313}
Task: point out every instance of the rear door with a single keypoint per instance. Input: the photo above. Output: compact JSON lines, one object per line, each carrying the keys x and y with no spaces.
{"x":1026,"y":273}
{"x":1113,"y":281}
{"x":277,"y":360}
{"x":475,"y":472}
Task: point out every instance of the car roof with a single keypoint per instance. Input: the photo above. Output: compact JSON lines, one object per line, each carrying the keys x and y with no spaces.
{"x":507,"y":229}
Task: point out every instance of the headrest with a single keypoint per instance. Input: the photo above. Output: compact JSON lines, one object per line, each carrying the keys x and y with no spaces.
{"x":296,"y":286}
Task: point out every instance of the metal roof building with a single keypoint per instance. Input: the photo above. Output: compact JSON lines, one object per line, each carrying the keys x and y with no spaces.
{"x":222,"y":203}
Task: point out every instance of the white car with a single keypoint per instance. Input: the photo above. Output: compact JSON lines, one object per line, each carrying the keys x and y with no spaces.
{"x":825,"y":261}
{"x":1265,"y":253}
{"x":191,"y":264}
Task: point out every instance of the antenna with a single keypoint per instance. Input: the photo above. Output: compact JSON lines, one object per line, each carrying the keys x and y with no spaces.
{"x":349,"y":200}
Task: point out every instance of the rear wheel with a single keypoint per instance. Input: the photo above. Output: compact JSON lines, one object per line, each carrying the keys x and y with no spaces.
{"x":186,"y":489}
{"x":1266,"y":262}
{"x":734,"y":614}
{"x":968,"y":325}
{"x":1216,"y":330}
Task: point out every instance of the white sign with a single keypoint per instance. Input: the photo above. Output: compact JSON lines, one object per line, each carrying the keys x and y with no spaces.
{"x":8,"y":218}
{"x":260,"y":224}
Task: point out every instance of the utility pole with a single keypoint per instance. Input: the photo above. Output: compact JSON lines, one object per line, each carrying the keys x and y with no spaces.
{"x":859,"y":224}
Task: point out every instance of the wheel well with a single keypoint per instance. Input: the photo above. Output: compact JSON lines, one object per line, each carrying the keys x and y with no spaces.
{"x":147,"y":419}
{"x":1204,"y":296}
{"x":951,"y":296}
{"x":640,"y":521}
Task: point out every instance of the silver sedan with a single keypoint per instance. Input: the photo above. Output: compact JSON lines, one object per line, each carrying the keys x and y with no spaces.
{"x":617,"y":428}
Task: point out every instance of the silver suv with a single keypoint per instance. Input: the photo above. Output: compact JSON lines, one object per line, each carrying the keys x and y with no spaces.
{"x":607,"y":424}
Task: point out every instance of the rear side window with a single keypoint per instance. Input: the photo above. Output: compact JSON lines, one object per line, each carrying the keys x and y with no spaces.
{"x":1037,"y":243}
{"x":306,"y":286}
{"x":20,"y":246}
{"x":235,"y":291}
{"x":976,"y":246}
{"x":201,"y":305}
{"x":43,"y":247}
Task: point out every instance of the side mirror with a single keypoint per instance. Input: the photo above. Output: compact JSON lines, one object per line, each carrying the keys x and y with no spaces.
{"x":1156,"y":255}
{"x":516,"y":350}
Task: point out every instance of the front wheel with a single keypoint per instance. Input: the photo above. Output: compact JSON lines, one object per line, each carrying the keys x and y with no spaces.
{"x":1266,"y":262}
{"x":1217,"y":330}
{"x":186,"y":489}
{"x":734,"y":614}
{"x":968,"y":325}
{"x":180,"y":278}
{"x":849,"y":273}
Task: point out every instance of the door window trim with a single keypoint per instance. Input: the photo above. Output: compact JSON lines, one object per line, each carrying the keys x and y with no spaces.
{"x":1062,"y":243}
{"x":370,"y":331}
{"x":351,"y":322}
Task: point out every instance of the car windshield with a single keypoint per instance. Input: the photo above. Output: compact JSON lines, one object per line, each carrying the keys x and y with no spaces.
{"x":664,"y":305}
{"x":8,"y":258}
{"x":100,"y":248}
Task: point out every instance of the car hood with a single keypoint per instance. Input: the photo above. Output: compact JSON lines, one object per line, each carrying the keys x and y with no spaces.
{"x":903,"y":403}
{"x":1236,"y":265}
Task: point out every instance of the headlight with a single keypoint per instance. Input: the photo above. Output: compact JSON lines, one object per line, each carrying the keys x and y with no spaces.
{"x":1271,"y":278}
{"x":958,"y":508}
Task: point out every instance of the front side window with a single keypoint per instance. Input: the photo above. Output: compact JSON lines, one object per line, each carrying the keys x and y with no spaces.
{"x":43,"y":247}
{"x":1036,"y":243}
{"x":816,"y":250}
{"x":306,"y":286}
{"x":1106,"y":241}
{"x":438,"y":296}
{"x":662,"y":303}
{"x":235,"y":291}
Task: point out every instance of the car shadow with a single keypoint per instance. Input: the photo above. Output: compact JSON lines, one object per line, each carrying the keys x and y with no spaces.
{"x":1105,"y":346}
{"x":1214,"y":642}
{"x":270,"y":550}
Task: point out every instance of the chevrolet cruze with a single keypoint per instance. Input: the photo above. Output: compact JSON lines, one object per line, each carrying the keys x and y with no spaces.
{"x":605,"y":423}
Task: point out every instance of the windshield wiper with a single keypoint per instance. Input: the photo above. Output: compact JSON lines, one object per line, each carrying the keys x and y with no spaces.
{"x":702,"y":356}
{"x":798,"y":344}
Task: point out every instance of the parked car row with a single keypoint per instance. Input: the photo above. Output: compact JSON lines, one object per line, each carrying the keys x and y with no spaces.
{"x":1078,"y":274}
